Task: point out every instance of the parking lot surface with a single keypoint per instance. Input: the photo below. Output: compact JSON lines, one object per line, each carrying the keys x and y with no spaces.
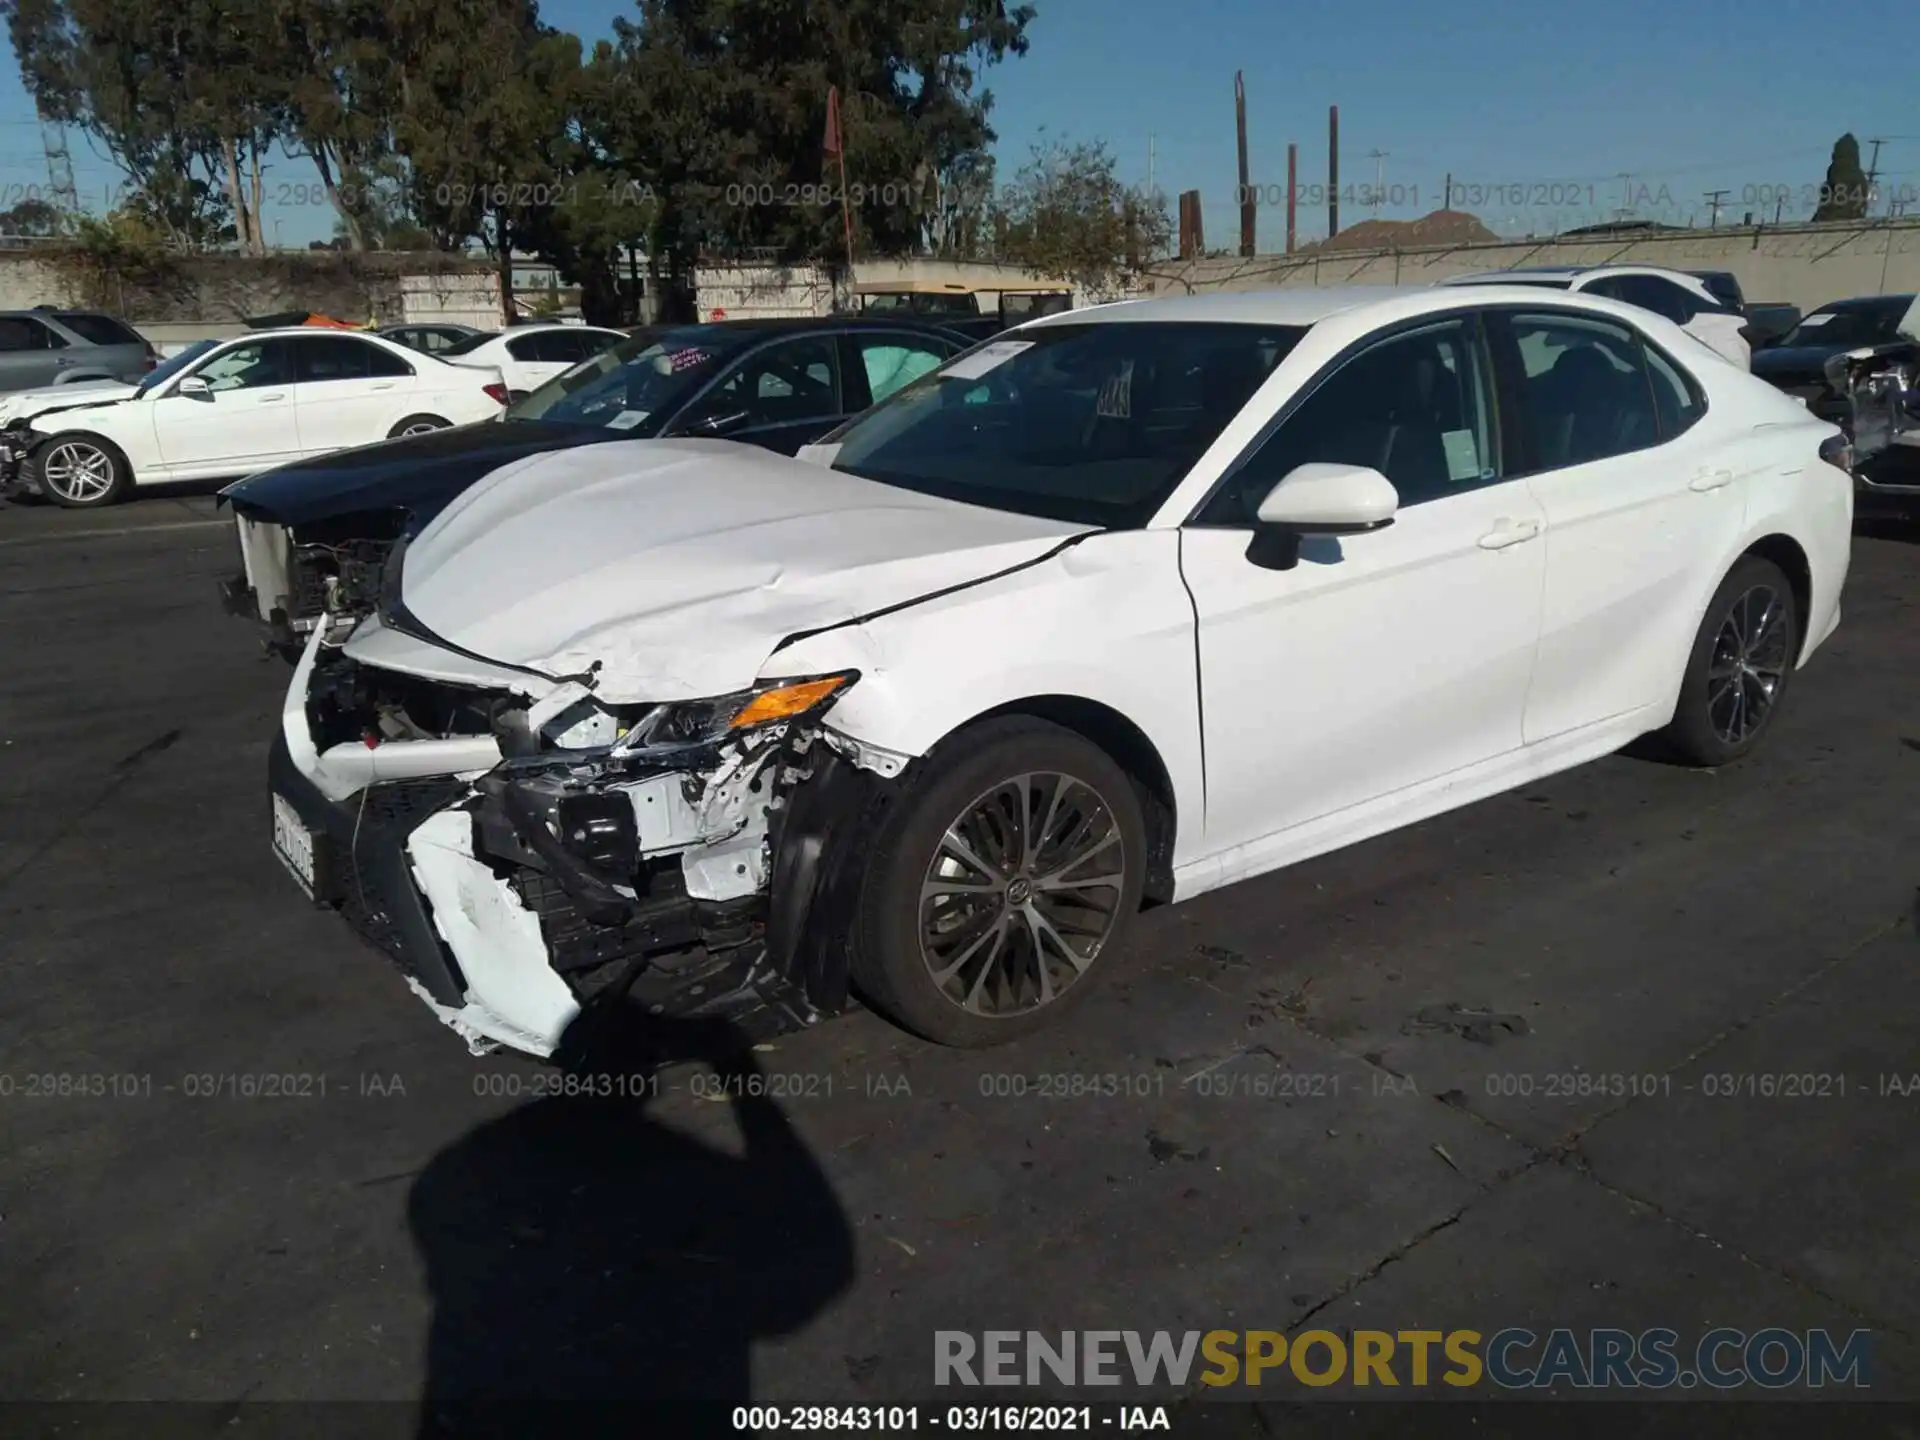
{"x":1635,"y":1047}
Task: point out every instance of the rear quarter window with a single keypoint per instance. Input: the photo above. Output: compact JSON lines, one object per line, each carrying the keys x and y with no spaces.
{"x":100,"y":329}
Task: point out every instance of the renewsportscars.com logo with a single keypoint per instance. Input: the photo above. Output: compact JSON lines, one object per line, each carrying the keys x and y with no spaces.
{"x":1513,"y":1359}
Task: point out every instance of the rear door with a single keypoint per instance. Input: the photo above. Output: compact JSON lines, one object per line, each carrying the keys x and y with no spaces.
{"x":348,"y":392}
{"x":30,"y":353}
{"x":1640,"y":495}
{"x":538,"y":357}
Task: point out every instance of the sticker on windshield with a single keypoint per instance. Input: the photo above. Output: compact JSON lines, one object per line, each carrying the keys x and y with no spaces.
{"x":627,"y":419}
{"x":677,"y":360}
{"x":1116,"y":395}
{"x":987,"y":357}
{"x":1810,"y":321}
{"x":1463,"y":455}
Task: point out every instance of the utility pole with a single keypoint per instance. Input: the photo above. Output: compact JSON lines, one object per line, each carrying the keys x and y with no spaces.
{"x":1447,"y":203}
{"x":1625,"y":178}
{"x":1715,"y":198}
{"x":1247,"y":204}
{"x":1333,"y":171}
{"x":1149,"y":164}
{"x":1873,"y":169}
{"x":1379,"y":158}
{"x":1293,"y":189}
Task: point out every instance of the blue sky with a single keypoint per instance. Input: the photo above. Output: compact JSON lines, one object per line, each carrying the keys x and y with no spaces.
{"x":1543,"y":116}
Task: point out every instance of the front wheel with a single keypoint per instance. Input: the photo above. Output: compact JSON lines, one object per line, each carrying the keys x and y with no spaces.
{"x":81,"y":472}
{"x":1741,"y":664}
{"x":998,"y":883}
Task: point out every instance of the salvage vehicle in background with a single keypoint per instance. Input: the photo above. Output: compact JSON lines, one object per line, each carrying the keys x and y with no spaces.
{"x":1797,"y":361}
{"x":228,"y":407}
{"x":530,"y":355}
{"x":1133,"y":603}
{"x":48,"y":347}
{"x":1677,"y":295}
{"x":315,"y":536}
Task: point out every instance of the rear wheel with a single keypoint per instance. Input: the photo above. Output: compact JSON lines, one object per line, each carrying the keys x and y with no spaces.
{"x":998,"y":883}
{"x":418,"y":425}
{"x":1741,"y":664}
{"x":81,"y":471}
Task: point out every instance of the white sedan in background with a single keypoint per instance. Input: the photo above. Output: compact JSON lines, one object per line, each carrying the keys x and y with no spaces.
{"x":1683,"y":298}
{"x":530,"y":355}
{"x":224,"y":408}
{"x":1135,"y":601}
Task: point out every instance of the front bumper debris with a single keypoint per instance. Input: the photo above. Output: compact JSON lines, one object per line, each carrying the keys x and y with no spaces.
{"x":16,"y":476}
{"x":516,"y":894}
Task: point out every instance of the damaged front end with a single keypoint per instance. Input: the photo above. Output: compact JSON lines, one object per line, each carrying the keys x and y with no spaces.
{"x":291,"y":577}
{"x":1881,"y":384}
{"x":16,"y":476}
{"x":522,"y":855}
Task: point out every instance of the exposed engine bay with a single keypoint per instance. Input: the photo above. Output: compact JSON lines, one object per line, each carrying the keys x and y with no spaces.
{"x":684,"y":854}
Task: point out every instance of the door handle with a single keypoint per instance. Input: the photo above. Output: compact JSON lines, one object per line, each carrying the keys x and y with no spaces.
{"x":383,"y":385}
{"x":274,"y":398}
{"x":1509,"y":532}
{"x":1711,"y":480}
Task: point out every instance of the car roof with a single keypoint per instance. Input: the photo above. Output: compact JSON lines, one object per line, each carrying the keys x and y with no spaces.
{"x":1306,"y":306}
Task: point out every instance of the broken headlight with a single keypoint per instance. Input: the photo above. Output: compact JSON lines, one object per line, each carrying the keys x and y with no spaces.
{"x":702,"y":722}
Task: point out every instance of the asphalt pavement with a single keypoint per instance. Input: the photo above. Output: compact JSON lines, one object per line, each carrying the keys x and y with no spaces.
{"x":1635,"y":1047}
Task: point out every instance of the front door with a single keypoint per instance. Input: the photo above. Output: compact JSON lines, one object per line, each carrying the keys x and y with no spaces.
{"x":247,"y":422}
{"x":1380,"y":660}
{"x":780,"y":397}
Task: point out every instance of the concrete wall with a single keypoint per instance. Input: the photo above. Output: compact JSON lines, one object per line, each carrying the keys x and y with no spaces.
{"x":1804,"y":265}
{"x":212,"y":294}
{"x":758,"y":292}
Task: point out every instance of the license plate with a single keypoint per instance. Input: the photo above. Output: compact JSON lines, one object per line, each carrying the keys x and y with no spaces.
{"x":293,"y":843}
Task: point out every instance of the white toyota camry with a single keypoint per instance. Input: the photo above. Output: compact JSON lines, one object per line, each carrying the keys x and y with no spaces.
{"x":226,"y":408}
{"x":1126,"y":605}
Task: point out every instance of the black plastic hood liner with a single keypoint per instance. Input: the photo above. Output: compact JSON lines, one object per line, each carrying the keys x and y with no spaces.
{"x":420,"y":474}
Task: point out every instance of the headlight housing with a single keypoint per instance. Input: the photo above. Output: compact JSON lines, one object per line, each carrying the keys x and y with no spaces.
{"x":688,"y":723}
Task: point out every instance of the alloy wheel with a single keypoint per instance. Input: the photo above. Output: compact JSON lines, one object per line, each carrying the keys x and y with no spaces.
{"x":420,"y":427}
{"x":1023,"y":890}
{"x":1749,"y":662}
{"x":77,"y":471}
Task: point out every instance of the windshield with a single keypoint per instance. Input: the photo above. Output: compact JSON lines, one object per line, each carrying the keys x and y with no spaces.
{"x":637,"y":385}
{"x":1091,"y":423}
{"x":1847,"y":329}
{"x":167,"y":369}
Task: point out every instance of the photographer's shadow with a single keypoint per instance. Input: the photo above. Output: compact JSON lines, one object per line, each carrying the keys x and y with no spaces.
{"x":578,"y":1250}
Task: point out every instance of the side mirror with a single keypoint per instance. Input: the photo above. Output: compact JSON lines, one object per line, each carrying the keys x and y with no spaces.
{"x":194,"y":388}
{"x":1319,"y":499}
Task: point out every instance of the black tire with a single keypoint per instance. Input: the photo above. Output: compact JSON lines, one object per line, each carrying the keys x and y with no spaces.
{"x":64,"y":452}
{"x":888,"y":965}
{"x":1717,"y":685}
{"x":418,"y":425}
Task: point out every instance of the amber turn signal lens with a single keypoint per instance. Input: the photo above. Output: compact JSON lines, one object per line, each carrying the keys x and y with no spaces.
{"x":787,"y":701}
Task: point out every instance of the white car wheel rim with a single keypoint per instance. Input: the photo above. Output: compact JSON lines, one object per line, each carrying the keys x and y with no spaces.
{"x":419,"y":429}
{"x":74,"y":470}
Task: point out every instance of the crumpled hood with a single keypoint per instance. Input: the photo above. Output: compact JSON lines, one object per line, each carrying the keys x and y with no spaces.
{"x":23,"y":404}
{"x":679,"y":565}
